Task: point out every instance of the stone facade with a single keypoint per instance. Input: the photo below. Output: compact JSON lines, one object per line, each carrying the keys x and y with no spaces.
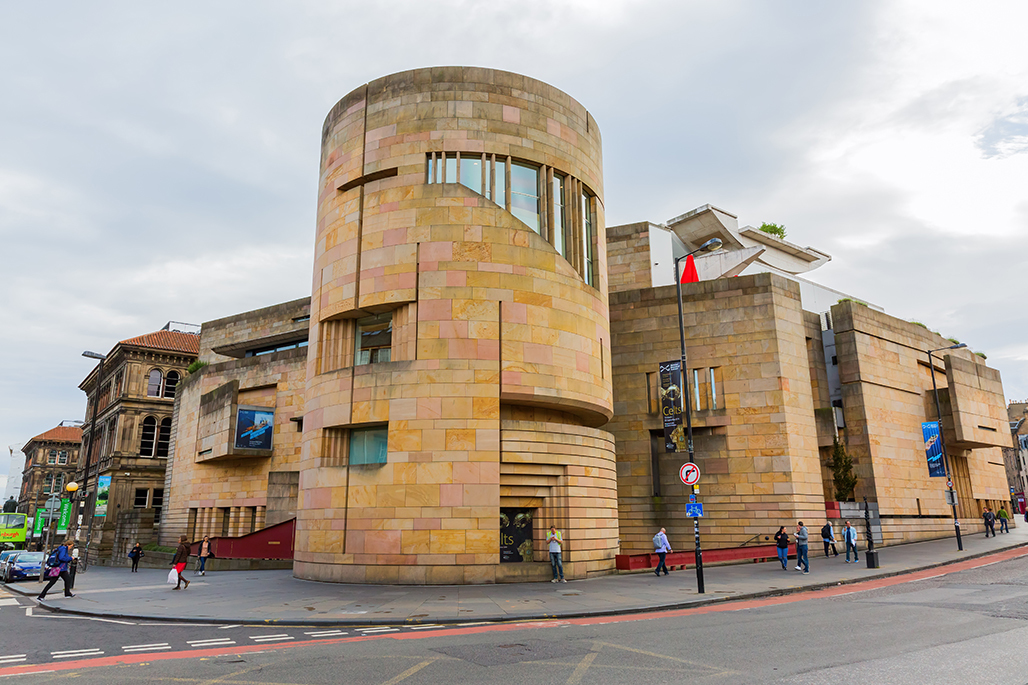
{"x":137,"y":394}
{"x":464,"y":205}
{"x":255,"y":359}
{"x":50,"y":462}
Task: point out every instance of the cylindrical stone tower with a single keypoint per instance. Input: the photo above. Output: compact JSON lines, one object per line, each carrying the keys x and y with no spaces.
{"x":459,"y":358}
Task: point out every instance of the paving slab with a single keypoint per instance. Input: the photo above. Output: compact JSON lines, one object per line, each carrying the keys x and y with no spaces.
{"x":276,"y":597}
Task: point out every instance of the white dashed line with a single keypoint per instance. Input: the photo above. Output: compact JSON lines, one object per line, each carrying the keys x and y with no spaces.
{"x":325,"y":633}
{"x":378,"y":630}
{"x":480,"y":623}
{"x":12,"y":675}
{"x":272,"y":638}
{"x":427,"y":627}
{"x":147,"y":648}
{"x":12,"y":658}
{"x":211,"y":643}
{"x":76,"y":653}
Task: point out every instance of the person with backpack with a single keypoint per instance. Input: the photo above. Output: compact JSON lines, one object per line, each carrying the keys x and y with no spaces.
{"x":1004,"y":520}
{"x":828,"y":538}
{"x":990,"y":522}
{"x":782,"y":540}
{"x":661,"y":546}
{"x":57,"y":567}
{"x":135,"y":554}
{"x":849,"y":536}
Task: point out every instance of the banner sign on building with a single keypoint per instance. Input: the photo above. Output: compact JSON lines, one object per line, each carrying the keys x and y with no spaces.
{"x":37,"y":528}
{"x":103,"y":493}
{"x":65,"y":517}
{"x":671,"y":399}
{"x":933,"y":448}
{"x":254,"y":428}
{"x":515,"y":535}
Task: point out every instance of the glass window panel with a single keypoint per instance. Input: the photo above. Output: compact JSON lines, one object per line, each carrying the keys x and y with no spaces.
{"x":471,"y":173}
{"x":52,"y":457}
{"x":149,"y":436}
{"x":696,"y":389}
{"x":450,"y":168}
{"x":142,"y":495}
{"x":170,"y":383}
{"x":524,"y":194}
{"x":153,"y":385}
{"x":558,"y":215}
{"x":588,"y":235}
{"x":164,"y":438}
{"x":374,"y":339}
{"x":369,"y":446}
{"x":431,"y":170}
{"x":713,"y":390}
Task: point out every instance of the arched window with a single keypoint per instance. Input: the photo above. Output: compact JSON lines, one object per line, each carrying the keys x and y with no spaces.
{"x":146,"y":444}
{"x":163,"y":438}
{"x":153,"y":384}
{"x":170,"y":381}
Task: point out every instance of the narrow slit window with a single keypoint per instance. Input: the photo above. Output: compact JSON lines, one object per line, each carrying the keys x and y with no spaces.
{"x":524,"y":194}
{"x":713,"y":390}
{"x":558,"y":216}
{"x":588,"y":237}
{"x":471,"y":172}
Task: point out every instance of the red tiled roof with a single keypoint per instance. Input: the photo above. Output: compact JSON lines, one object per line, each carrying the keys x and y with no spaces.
{"x":60,"y":434}
{"x":167,"y":340}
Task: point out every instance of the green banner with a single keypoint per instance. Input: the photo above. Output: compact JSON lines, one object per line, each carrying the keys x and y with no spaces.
{"x":37,"y":529}
{"x":65,"y":517}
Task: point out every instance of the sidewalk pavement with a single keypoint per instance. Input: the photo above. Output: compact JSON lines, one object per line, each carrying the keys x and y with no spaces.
{"x":275,"y":597}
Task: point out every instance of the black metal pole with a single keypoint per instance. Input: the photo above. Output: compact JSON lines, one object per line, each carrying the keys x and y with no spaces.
{"x":945,"y":455}
{"x":89,"y":454}
{"x":698,"y":552}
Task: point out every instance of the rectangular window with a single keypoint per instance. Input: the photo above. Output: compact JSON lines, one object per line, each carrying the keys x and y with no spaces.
{"x":157,"y":502}
{"x":696,"y":406}
{"x":558,"y":216}
{"x":713,"y":390}
{"x":524,"y":194}
{"x":141,"y":499}
{"x":471,"y":172}
{"x":450,"y":169}
{"x":51,"y":457}
{"x":369,"y":446}
{"x":374,"y":339}
{"x":588,"y":238}
{"x":62,"y":459}
{"x":500,"y":171}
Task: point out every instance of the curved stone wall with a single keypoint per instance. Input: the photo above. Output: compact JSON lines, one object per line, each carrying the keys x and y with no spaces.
{"x":449,"y":292}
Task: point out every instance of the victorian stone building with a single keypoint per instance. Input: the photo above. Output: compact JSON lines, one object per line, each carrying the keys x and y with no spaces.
{"x":50,"y":462}
{"x":127,"y":455}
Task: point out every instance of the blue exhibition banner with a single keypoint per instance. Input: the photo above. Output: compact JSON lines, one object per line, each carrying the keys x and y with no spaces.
{"x":933,"y":448}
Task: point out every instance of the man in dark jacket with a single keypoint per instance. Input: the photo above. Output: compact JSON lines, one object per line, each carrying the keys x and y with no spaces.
{"x":990,"y":522}
{"x":63,"y":559}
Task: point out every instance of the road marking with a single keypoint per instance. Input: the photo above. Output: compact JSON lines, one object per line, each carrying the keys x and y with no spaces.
{"x":370,"y":631}
{"x":237,"y":625}
{"x":427,"y":627}
{"x":8,"y":601}
{"x":272,"y":638}
{"x":411,"y":671}
{"x":28,"y":611}
{"x":211,"y":643}
{"x":147,"y":648}
{"x":76,"y":653}
{"x":480,"y":623}
{"x":325,"y":633}
{"x":12,"y":658}
{"x":11,"y":675}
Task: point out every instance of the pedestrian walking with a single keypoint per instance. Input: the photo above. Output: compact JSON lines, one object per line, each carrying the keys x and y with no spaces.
{"x":661,"y":546}
{"x":57,"y":567}
{"x":849,"y":536}
{"x":990,"y":522}
{"x":828,"y":537}
{"x":205,"y":551}
{"x":782,"y":540}
{"x":181,"y":560}
{"x":802,"y":548}
{"x":556,"y":547}
{"x":1004,"y":520}
{"x":135,"y":554}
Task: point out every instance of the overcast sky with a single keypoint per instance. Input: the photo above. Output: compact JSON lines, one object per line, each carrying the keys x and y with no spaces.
{"x":161,"y":162}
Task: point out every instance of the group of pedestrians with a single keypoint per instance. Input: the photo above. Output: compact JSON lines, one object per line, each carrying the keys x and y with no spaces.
{"x":802,"y":538}
{"x":990,"y":518}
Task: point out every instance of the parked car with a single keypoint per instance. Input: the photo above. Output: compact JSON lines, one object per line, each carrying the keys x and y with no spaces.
{"x":4,"y":557}
{"x":23,"y":566}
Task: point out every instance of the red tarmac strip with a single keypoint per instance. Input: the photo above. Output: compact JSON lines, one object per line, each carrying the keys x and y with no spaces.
{"x":728,"y":605}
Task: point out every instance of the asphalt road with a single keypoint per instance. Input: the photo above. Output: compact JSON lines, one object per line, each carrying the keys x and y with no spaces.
{"x":964,"y":627}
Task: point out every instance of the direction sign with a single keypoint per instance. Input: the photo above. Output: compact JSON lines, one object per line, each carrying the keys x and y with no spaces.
{"x":694,"y":510}
{"x":53,"y":504}
{"x":689,"y":473}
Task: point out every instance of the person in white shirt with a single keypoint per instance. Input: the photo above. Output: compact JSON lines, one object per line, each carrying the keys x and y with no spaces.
{"x":661,"y":547}
{"x":556,"y":547}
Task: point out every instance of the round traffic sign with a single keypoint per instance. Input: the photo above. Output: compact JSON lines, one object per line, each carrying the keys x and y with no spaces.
{"x":689,"y":473}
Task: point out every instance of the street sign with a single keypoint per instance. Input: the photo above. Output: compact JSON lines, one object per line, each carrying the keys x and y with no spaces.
{"x":694,"y":510}
{"x":949,"y":484}
{"x":951,"y":498}
{"x":53,"y":504}
{"x":689,"y":473}
{"x":692,"y":498}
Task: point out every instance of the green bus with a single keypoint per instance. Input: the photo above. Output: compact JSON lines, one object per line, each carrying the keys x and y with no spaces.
{"x":12,"y":531}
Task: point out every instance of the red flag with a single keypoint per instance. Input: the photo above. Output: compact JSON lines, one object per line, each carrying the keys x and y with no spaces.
{"x":689,"y":274}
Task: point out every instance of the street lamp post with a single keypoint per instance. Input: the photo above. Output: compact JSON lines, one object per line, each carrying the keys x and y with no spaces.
{"x":709,"y":246}
{"x":942,"y":441}
{"x":89,"y":452}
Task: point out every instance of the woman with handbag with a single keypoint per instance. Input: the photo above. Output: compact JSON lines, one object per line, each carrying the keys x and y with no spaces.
{"x":782,"y":542}
{"x":181,"y":560}
{"x":135,"y":555}
{"x":57,"y":567}
{"x":205,"y":551}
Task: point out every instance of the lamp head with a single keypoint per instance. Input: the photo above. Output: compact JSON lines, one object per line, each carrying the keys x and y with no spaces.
{"x":957,"y":346}
{"x":72,"y":487}
{"x":94,"y":355}
{"x":711,"y":245}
